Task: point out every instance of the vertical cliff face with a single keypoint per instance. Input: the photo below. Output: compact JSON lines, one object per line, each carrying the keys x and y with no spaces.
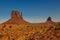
{"x":16,"y":15}
{"x":16,"y":18}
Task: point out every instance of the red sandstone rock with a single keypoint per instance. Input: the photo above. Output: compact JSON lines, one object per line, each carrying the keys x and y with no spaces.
{"x":16,"y":18}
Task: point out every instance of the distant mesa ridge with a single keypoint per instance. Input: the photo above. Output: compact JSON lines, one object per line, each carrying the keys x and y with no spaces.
{"x":17,"y":18}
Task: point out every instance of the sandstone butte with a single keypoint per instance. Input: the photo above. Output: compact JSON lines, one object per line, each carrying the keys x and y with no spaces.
{"x":16,"y":28}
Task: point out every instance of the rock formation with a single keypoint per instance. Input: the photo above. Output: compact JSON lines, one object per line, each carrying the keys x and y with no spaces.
{"x":16,"y":14}
{"x":49,"y":20}
{"x":16,"y":18}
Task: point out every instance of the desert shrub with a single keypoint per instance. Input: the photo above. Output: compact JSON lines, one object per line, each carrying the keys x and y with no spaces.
{"x":13,"y":39}
{"x":44,"y":26}
{"x":58,"y":24}
{"x":28,"y":26}
{"x":3,"y":27}
{"x":1,"y":36}
{"x":41,"y":27}
{"x":10,"y":26}
{"x":57,"y":28}
{"x":31,"y":38}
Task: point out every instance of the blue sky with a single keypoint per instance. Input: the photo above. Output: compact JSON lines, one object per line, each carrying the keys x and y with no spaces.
{"x":32,"y":10}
